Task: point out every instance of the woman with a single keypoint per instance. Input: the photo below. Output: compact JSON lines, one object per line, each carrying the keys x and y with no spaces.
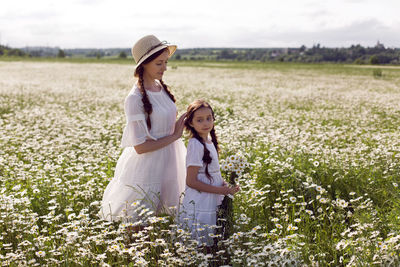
{"x":150,"y":173}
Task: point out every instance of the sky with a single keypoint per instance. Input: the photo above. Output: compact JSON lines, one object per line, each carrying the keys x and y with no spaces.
{"x":205,"y":23}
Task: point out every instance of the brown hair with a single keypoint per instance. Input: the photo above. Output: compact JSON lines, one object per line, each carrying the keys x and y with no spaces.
{"x":148,"y":109}
{"x":193,"y":107}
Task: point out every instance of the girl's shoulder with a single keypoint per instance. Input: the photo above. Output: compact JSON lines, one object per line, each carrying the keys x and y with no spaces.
{"x":195,"y":150}
{"x":194,"y":141}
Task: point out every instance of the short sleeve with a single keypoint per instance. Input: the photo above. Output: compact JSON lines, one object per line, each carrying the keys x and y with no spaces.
{"x":135,"y":131}
{"x":195,"y":152}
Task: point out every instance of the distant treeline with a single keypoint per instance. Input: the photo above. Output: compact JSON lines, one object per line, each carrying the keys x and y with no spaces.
{"x":358,"y":54}
{"x":354,"y":54}
{"x":13,"y":52}
{"x":43,"y":51}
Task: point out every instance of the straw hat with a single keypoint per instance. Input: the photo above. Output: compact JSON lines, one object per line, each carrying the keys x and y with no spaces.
{"x":147,"y":46}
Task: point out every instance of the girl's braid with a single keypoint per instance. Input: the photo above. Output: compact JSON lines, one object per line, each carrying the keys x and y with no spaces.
{"x":206,"y":158}
{"x":214,"y":139}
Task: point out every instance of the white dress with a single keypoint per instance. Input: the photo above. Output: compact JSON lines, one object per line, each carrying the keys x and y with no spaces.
{"x":198,"y":209}
{"x":154,"y":179}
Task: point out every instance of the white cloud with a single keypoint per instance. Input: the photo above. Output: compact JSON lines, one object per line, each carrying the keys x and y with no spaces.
{"x":366,"y":33}
{"x":207,"y":23}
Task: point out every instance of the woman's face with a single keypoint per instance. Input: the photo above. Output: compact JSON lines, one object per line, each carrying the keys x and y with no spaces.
{"x":155,"y":68}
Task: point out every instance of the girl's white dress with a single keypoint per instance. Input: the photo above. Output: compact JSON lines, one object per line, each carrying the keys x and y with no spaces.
{"x":155,"y":179}
{"x":197,"y":212}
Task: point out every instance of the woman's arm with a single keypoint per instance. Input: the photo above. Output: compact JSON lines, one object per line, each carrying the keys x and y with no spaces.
{"x":191,"y":181}
{"x":152,"y":145}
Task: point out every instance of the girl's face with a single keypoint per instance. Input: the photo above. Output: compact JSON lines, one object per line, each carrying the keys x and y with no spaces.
{"x":202,"y":121}
{"x":155,"y":68}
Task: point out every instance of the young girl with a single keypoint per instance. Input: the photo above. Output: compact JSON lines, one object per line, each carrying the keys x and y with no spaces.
{"x":204,"y":185}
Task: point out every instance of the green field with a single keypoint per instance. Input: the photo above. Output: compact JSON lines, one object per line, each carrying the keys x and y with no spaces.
{"x":322,"y":140}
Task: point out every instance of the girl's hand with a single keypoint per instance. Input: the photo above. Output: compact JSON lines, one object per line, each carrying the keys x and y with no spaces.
{"x":179,"y":126}
{"x":227,"y":190}
{"x":235,"y":189}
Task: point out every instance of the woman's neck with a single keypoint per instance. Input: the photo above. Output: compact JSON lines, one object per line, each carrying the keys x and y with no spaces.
{"x":150,"y":84}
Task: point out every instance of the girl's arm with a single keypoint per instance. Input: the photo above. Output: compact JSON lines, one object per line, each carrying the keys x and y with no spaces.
{"x":152,"y":145}
{"x":191,"y":181}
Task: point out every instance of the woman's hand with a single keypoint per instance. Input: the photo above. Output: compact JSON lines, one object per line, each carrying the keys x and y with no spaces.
{"x":179,"y":126}
{"x":152,"y":145}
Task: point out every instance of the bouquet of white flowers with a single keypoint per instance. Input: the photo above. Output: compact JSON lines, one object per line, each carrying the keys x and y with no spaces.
{"x":234,"y":164}
{"x":233,"y":167}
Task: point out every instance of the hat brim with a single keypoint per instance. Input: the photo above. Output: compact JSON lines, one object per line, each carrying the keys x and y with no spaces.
{"x":171,"y":49}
